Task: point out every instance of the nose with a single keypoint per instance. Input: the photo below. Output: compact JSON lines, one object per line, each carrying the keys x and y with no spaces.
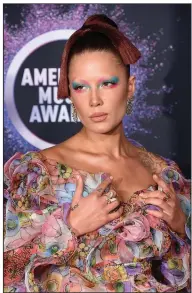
{"x":95,"y":99}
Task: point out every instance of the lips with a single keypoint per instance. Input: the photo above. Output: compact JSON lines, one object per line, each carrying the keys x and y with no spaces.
{"x":98,"y":114}
{"x":99,"y":117}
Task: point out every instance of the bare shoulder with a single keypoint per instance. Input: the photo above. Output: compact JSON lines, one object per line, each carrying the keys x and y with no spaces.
{"x":64,"y":152}
{"x":52,"y":153}
{"x":155,"y":163}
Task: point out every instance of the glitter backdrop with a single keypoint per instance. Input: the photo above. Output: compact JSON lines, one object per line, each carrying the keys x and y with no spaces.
{"x":36,"y":19}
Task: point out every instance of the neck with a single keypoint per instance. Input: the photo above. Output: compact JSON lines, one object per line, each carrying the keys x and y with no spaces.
{"x":113,"y":144}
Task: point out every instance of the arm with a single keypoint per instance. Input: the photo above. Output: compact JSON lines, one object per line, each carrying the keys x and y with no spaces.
{"x":182,"y":189}
{"x":169,"y":171}
{"x":175,"y":261}
{"x":36,"y":233}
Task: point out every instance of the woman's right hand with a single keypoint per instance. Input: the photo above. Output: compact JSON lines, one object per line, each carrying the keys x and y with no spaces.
{"x":93,"y":211}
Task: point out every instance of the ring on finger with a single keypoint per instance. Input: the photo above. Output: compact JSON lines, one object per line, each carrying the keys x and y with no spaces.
{"x":143,"y":200}
{"x":99,"y":189}
{"x":165,"y":199}
{"x":167,"y":196}
{"x":110,"y":200}
{"x":110,"y":195}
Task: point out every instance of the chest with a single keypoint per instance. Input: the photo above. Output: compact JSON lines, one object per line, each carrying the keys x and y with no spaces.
{"x":129,"y":176}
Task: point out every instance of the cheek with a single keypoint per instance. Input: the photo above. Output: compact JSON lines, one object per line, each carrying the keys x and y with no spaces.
{"x":82,"y":106}
{"x":118,"y":98}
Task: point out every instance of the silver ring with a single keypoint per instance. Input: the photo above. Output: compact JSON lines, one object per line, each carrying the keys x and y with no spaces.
{"x":110,"y":194}
{"x":110,"y":200}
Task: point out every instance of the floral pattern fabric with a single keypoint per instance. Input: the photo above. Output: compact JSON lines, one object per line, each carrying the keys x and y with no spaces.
{"x":42,"y":255}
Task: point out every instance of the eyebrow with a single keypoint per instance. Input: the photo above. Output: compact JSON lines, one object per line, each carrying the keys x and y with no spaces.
{"x":82,"y":81}
{"x":112,"y":79}
{"x":76,"y":84}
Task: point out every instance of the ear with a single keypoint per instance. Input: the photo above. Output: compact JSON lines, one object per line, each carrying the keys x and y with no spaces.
{"x":131,"y":87}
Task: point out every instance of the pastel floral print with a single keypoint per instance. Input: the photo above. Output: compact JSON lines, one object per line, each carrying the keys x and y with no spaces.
{"x":41,"y":254}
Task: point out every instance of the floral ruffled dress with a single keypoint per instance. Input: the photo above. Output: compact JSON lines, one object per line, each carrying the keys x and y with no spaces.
{"x":135,"y":253}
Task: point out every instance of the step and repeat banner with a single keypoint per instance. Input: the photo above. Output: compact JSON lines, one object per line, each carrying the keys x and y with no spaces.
{"x":34,"y":39}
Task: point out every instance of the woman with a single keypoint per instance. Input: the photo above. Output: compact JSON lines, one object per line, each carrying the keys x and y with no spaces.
{"x":96,"y":213}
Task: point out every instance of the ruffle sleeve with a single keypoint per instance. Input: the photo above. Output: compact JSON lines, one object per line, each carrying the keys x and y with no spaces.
{"x":36,"y":233}
{"x":175,"y":264}
{"x":182,"y":187}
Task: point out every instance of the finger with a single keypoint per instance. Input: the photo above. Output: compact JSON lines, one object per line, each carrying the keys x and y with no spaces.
{"x":162,"y":183}
{"x":159,"y":214}
{"x":112,"y":205}
{"x":158,"y":195}
{"x":159,"y":203}
{"x":103,"y":185}
{"x":172,"y":188}
{"x":106,"y":200}
{"x":79,"y":189}
{"x":155,"y":194}
{"x":111,"y":194}
{"x":115,"y":215}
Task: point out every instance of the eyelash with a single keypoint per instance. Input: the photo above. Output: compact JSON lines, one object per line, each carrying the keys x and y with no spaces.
{"x":79,"y":87}
{"x":106,"y":83}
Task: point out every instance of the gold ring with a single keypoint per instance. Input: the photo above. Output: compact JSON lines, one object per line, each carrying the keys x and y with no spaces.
{"x":167,"y":196}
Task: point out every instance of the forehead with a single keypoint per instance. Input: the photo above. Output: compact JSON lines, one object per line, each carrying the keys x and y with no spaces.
{"x":95,"y":63}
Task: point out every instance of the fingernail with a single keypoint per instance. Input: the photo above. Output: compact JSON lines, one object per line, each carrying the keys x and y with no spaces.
{"x":155,"y":176}
{"x":142,"y":194}
{"x":111,"y":177}
{"x":77,"y":177}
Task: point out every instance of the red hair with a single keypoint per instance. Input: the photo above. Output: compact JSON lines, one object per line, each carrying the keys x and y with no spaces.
{"x":97,"y":33}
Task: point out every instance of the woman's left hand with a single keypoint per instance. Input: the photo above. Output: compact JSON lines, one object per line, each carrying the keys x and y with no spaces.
{"x":170,"y":209}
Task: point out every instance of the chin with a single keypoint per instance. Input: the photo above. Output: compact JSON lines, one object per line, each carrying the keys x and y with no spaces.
{"x":103,"y":128}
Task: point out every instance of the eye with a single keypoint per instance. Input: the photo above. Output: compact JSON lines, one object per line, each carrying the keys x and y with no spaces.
{"x":79,"y":87}
{"x":108,"y":83}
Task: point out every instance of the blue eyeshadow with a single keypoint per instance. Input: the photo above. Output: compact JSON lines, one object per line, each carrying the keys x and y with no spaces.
{"x":114,"y":79}
{"x":75,"y":84}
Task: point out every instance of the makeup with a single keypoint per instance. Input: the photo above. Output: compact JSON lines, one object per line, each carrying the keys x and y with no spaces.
{"x":111,"y":82}
{"x":103,"y":82}
{"x":77,"y":86}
